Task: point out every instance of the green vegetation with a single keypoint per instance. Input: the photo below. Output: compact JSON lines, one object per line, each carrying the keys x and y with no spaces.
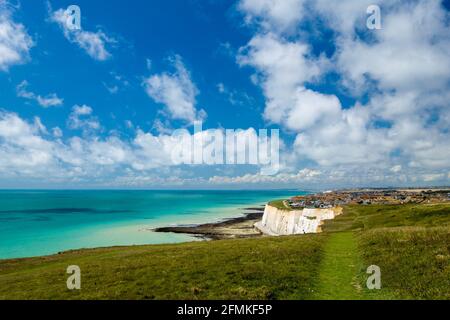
{"x":369,"y":217}
{"x":339,"y":269}
{"x":266,"y":268}
{"x":410,"y":243}
{"x":414,"y":262}
{"x":280,"y":204}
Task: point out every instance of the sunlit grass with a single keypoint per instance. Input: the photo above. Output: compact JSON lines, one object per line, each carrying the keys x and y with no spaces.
{"x":410,"y":243}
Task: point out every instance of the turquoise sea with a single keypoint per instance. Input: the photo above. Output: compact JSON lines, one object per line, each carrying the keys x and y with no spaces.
{"x":36,"y":223}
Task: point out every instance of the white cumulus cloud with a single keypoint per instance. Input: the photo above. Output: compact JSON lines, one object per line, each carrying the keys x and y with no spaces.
{"x":176,"y":91}
{"x":15,"y":42}
{"x":93,"y":43}
{"x":273,"y":14}
{"x":50,"y":100}
{"x":400,"y":130}
{"x":81,"y":118}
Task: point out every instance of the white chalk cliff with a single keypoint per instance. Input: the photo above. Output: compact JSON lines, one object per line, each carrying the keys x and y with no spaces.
{"x":278,"y":222}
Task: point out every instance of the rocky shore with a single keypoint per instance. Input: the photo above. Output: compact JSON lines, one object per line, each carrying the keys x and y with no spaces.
{"x":305,"y":214}
{"x":240,"y":227}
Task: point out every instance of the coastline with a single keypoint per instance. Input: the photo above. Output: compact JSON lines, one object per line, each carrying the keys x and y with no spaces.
{"x":59,"y":221}
{"x":400,"y":233}
{"x":316,"y":208}
{"x":237,"y":227}
{"x":232,"y":228}
{"x":238,"y":224}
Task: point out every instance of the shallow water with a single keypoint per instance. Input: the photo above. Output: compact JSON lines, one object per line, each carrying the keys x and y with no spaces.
{"x":35,"y":223}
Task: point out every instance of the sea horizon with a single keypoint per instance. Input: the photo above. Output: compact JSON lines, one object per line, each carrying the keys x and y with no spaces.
{"x":38,"y":222}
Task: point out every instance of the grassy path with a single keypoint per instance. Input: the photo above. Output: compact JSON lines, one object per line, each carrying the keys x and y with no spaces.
{"x":339,"y":269}
{"x":409,"y":243}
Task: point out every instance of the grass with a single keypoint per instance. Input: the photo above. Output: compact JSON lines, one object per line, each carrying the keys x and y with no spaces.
{"x":268,"y":268}
{"x":363,"y":218}
{"x":339,"y":269}
{"x":280,"y":204}
{"x":414,"y":261}
{"x":410,"y":243}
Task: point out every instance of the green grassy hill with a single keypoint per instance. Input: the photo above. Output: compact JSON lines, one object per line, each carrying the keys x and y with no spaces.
{"x":410,"y":243}
{"x":280,"y":204}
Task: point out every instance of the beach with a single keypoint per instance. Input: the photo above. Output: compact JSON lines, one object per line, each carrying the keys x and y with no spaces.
{"x":233,"y":228}
{"x":44,"y":222}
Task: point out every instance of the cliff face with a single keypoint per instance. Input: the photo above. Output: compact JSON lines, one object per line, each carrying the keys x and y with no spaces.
{"x":277,"y":222}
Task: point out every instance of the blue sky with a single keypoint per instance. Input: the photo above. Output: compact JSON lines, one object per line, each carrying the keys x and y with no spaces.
{"x":147,"y":30}
{"x":95,"y":108}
